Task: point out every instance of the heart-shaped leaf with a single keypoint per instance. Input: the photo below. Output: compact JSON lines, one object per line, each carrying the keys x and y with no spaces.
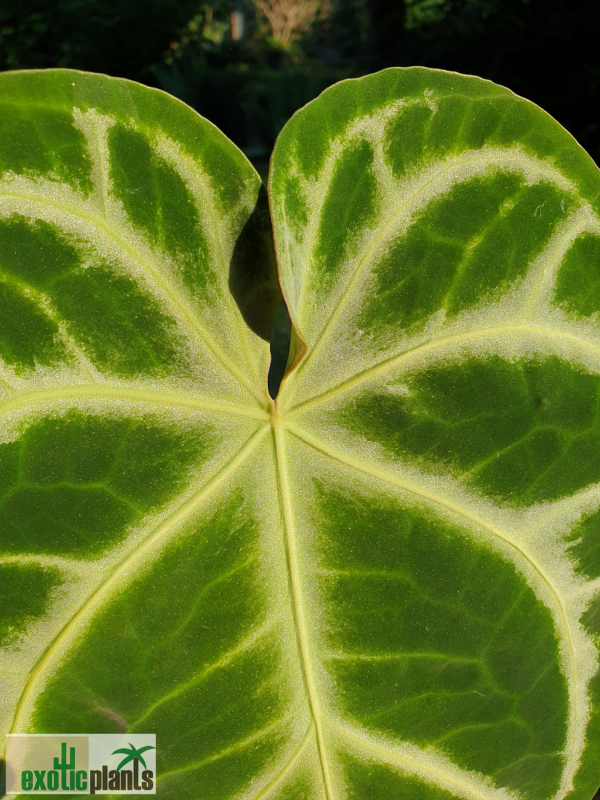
{"x":382,"y":584}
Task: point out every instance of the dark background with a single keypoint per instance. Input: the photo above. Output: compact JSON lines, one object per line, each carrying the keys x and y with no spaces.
{"x":239,"y":64}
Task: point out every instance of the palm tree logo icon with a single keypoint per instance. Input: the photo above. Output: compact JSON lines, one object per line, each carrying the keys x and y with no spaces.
{"x":132,"y":755}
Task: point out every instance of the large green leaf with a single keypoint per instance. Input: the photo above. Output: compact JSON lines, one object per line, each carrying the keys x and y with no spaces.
{"x":381,"y":585}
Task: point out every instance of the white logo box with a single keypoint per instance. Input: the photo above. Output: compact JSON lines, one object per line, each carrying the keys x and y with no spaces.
{"x":73,"y":763}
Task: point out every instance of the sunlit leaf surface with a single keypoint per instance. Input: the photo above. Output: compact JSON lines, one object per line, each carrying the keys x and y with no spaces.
{"x":383,"y":584}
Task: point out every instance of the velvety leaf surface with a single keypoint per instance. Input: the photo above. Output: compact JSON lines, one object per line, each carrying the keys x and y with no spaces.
{"x":131,"y":390}
{"x":437,"y":242}
{"x":384,"y":584}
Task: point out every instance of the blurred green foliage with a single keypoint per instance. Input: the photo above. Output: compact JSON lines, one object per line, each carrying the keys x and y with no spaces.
{"x":261,"y":98}
{"x":117,"y":37}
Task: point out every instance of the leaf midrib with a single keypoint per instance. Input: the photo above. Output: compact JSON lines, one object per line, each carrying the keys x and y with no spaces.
{"x":297,"y":600}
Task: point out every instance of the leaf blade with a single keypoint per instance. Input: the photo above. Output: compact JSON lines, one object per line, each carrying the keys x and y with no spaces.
{"x":493,"y":207}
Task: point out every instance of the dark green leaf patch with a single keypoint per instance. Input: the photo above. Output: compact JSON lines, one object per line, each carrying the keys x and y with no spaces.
{"x":587,"y":774}
{"x":24,"y":591}
{"x":350,"y":205}
{"x":43,"y":142}
{"x":118,"y":325}
{"x":70,"y":486}
{"x":578,"y":281}
{"x":27,"y":335}
{"x":405,"y":137}
{"x":31,"y":255}
{"x":158,"y":202}
{"x":296,"y":210}
{"x":369,"y":780}
{"x":299,"y":783}
{"x":520,"y":432}
{"x":440,"y":642}
{"x":479,"y":238}
{"x":586,"y":545}
{"x":36,"y":253}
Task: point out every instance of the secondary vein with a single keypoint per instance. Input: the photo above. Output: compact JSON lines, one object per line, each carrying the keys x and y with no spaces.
{"x":96,"y":391}
{"x":439,"y":344}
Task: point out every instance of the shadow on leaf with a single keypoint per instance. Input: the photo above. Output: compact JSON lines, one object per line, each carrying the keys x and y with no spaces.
{"x":253,"y":280}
